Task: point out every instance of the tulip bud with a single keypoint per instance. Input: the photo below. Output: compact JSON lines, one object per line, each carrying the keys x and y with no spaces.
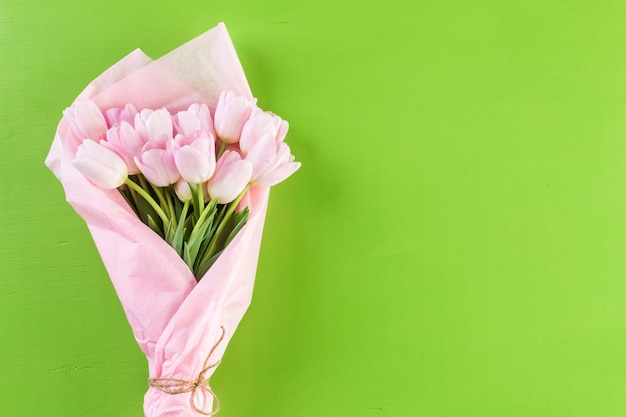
{"x":183,"y":191}
{"x":157,"y":164}
{"x":196,"y":118}
{"x":125,"y":141}
{"x":86,"y":119}
{"x":196,"y":161}
{"x":272,"y":162}
{"x":232,"y":174}
{"x":154,"y":125}
{"x":258,"y":125}
{"x":100,"y":165}
{"x":230,"y":115}
{"x":116,"y":115}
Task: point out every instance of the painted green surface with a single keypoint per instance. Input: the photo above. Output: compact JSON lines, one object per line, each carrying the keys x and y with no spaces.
{"x":454,"y":244}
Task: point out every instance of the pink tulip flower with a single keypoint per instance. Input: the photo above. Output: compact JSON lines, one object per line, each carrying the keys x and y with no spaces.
{"x":272,"y":162}
{"x":196,"y":118}
{"x":232,"y":174}
{"x":195,"y":157}
{"x":126,"y":142}
{"x":183,"y":191}
{"x":86,"y":119}
{"x":230,"y":115}
{"x":258,"y":125}
{"x":154,"y":125}
{"x":157,"y":163}
{"x":100,"y":165}
{"x":117,"y":115}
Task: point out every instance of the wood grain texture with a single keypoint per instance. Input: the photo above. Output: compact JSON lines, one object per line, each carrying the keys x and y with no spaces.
{"x":452,"y":246}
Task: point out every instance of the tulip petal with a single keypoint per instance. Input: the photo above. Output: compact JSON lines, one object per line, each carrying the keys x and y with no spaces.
{"x":282,"y":131}
{"x":258,"y":125}
{"x":193,"y":165}
{"x":158,"y":166}
{"x":277,"y":175}
{"x":229,"y":181}
{"x":262,"y":154}
{"x":159,"y":125}
{"x":100,"y":165}
{"x":231,"y":113}
{"x":86,"y":119}
{"x":183,"y":191}
{"x":101,"y":175}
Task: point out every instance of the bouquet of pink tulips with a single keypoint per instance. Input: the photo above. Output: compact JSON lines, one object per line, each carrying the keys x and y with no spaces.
{"x":169,"y":162}
{"x":184,"y":174}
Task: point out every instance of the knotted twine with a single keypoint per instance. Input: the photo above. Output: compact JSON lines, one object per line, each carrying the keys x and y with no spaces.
{"x":175,"y":386}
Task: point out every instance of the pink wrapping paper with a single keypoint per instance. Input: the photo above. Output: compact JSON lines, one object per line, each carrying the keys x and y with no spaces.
{"x":177,"y":322}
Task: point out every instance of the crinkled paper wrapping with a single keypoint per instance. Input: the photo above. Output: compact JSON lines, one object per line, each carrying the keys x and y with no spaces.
{"x":176,"y":321}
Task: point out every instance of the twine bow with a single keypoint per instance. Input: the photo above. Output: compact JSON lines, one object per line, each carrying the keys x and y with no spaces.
{"x":174,"y":386}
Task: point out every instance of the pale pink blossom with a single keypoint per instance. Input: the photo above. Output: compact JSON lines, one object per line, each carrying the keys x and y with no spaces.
{"x":86,"y":119}
{"x":272,"y":162}
{"x":126,"y":142}
{"x":195,"y":157}
{"x":157,"y":163}
{"x":232,"y":174}
{"x":100,"y":165}
{"x":116,"y":115}
{"x":261,"y":154}
{"x":196,"y":118}
{"x":183,"y":191}
{"x":230,"y":115}
{"x":154,"y":125}
{"x":258,"y":125}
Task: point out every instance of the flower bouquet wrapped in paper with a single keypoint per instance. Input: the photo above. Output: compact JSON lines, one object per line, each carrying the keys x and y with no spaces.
{"x":169,"y":163}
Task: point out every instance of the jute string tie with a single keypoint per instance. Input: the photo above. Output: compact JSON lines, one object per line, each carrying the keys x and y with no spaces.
{"x":175,"y":386}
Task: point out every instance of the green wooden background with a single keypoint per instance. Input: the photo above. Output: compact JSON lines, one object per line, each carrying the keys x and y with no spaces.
{"x":454,"y":244}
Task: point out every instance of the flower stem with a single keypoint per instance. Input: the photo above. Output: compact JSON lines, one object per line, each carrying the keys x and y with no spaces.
{"x":133,"y":195}
{"x":150,"y":200}
{"x":170,"y":193}
{"x":183,"y":214}
{"x":179,"y":229}
{"x":205,"y":212}
{"x":142,"y":181}
{"x":220,"y":228}
{"x":164,"y":203}
{"x":221,"y":151}
{"x":201,"y":197}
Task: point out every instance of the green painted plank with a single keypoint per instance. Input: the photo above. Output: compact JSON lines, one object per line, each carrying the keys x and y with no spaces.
{"x":452,"y":246}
